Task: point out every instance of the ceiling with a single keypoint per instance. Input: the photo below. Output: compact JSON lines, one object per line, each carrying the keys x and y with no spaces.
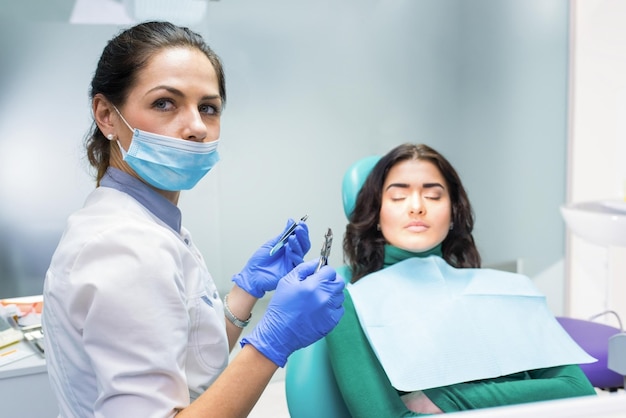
{"x":37,"y":10}
{"x":102,"y":11}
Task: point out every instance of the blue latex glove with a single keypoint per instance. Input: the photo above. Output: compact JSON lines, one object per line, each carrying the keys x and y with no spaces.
{"x":263,"y":271}
{"x":305,"y":307}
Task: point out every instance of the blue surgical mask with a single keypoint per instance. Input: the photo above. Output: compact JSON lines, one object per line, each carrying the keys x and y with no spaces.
{"x":168,"y":163}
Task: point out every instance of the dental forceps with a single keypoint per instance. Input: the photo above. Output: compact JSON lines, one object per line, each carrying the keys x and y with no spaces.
{"x":328,"y":241}
{"x":285,"y":236}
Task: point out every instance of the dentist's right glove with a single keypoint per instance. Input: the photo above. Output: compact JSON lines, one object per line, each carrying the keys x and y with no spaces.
{"x":305,"y":307}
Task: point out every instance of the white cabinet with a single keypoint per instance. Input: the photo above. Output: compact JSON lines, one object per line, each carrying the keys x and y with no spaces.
{"x":24,"y":387}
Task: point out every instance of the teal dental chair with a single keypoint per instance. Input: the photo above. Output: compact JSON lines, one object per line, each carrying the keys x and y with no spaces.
{"x":310,"y":385}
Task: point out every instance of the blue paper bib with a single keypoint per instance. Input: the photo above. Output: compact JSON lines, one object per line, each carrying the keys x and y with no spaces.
{"x":434,"y":325}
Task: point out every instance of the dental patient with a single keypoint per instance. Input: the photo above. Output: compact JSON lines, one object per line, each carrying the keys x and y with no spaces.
{"x":426,"y":330}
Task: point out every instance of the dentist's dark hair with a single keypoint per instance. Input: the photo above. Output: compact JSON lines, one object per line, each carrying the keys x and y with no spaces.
{"x":364,"y":244}
{"x":122,"y":59}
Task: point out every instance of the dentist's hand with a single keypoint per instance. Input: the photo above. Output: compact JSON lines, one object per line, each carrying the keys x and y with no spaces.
{"x":263,"y":271}
{"x":305,"y":307}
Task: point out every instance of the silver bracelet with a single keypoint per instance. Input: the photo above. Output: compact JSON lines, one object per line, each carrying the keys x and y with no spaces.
{"x":231,"y":316}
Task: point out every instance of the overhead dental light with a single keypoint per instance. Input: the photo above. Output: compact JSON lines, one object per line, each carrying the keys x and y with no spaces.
{"x":186,"y":12}
{"x":182,"y":12}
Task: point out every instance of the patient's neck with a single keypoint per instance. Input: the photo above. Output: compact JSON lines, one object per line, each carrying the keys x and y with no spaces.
{"x":394,"y":255}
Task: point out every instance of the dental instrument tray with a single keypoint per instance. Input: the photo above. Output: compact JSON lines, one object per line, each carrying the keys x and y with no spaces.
{"x":33,"y":334}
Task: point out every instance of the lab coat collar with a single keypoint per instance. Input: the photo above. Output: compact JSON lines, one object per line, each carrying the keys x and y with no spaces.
{"x":154,"y":202}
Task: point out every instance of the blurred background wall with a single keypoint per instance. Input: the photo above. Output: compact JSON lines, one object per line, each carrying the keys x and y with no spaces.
{"x":597,"y":148}
{"x":312,"y":87}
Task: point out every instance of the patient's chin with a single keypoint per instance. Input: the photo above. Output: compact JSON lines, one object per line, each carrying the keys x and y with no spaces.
{"x":418,"y":402}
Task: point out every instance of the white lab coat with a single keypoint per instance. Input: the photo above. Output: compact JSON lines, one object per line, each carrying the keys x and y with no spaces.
{"x":133,"y":321}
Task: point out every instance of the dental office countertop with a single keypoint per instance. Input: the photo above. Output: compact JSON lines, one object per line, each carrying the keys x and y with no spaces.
{"x":32,"y":364}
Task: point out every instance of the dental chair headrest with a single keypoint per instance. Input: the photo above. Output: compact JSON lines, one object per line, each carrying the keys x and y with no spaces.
{"x":353,"y":181}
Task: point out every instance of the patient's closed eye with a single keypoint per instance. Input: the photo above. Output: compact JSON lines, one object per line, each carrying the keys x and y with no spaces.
{"x":432,"y":196}
{"x":433,"y":191}
{"x":398,"y":194}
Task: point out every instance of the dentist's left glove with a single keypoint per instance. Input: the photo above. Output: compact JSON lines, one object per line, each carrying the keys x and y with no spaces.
{"x":263,"y":271}
{"x":306,"y":307}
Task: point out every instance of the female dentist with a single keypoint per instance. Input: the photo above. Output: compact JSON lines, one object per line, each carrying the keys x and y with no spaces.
{"x":133,"y":321}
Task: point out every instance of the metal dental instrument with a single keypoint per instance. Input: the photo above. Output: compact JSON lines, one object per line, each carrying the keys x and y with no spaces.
{"x":285,"y":236}
{"x":328,"y":241}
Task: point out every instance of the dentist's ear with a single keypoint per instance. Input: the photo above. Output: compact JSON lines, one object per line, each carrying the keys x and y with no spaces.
{"x":102,"y":114}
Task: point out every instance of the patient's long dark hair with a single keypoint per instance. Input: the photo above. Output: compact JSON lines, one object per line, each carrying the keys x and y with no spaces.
{"x":364,"y":244}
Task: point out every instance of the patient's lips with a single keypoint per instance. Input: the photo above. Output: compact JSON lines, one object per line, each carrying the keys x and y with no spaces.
{"x":417,"y":226}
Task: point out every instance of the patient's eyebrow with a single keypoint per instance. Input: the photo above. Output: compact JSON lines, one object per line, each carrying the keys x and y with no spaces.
{"x":406,"y":185}
{"x":400,"y":185}
{"x":431,"y":185}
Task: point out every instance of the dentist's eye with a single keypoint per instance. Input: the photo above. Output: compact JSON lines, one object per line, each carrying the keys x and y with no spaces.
{"x":209,"y":109}
{"x":163,"y":104}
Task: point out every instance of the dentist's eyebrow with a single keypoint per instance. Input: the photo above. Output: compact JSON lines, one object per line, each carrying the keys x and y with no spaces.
{"x":172,"y":90}
{"x":179,"y":93}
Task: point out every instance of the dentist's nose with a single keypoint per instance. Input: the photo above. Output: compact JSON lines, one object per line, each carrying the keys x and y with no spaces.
{"x":194,"y":127}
